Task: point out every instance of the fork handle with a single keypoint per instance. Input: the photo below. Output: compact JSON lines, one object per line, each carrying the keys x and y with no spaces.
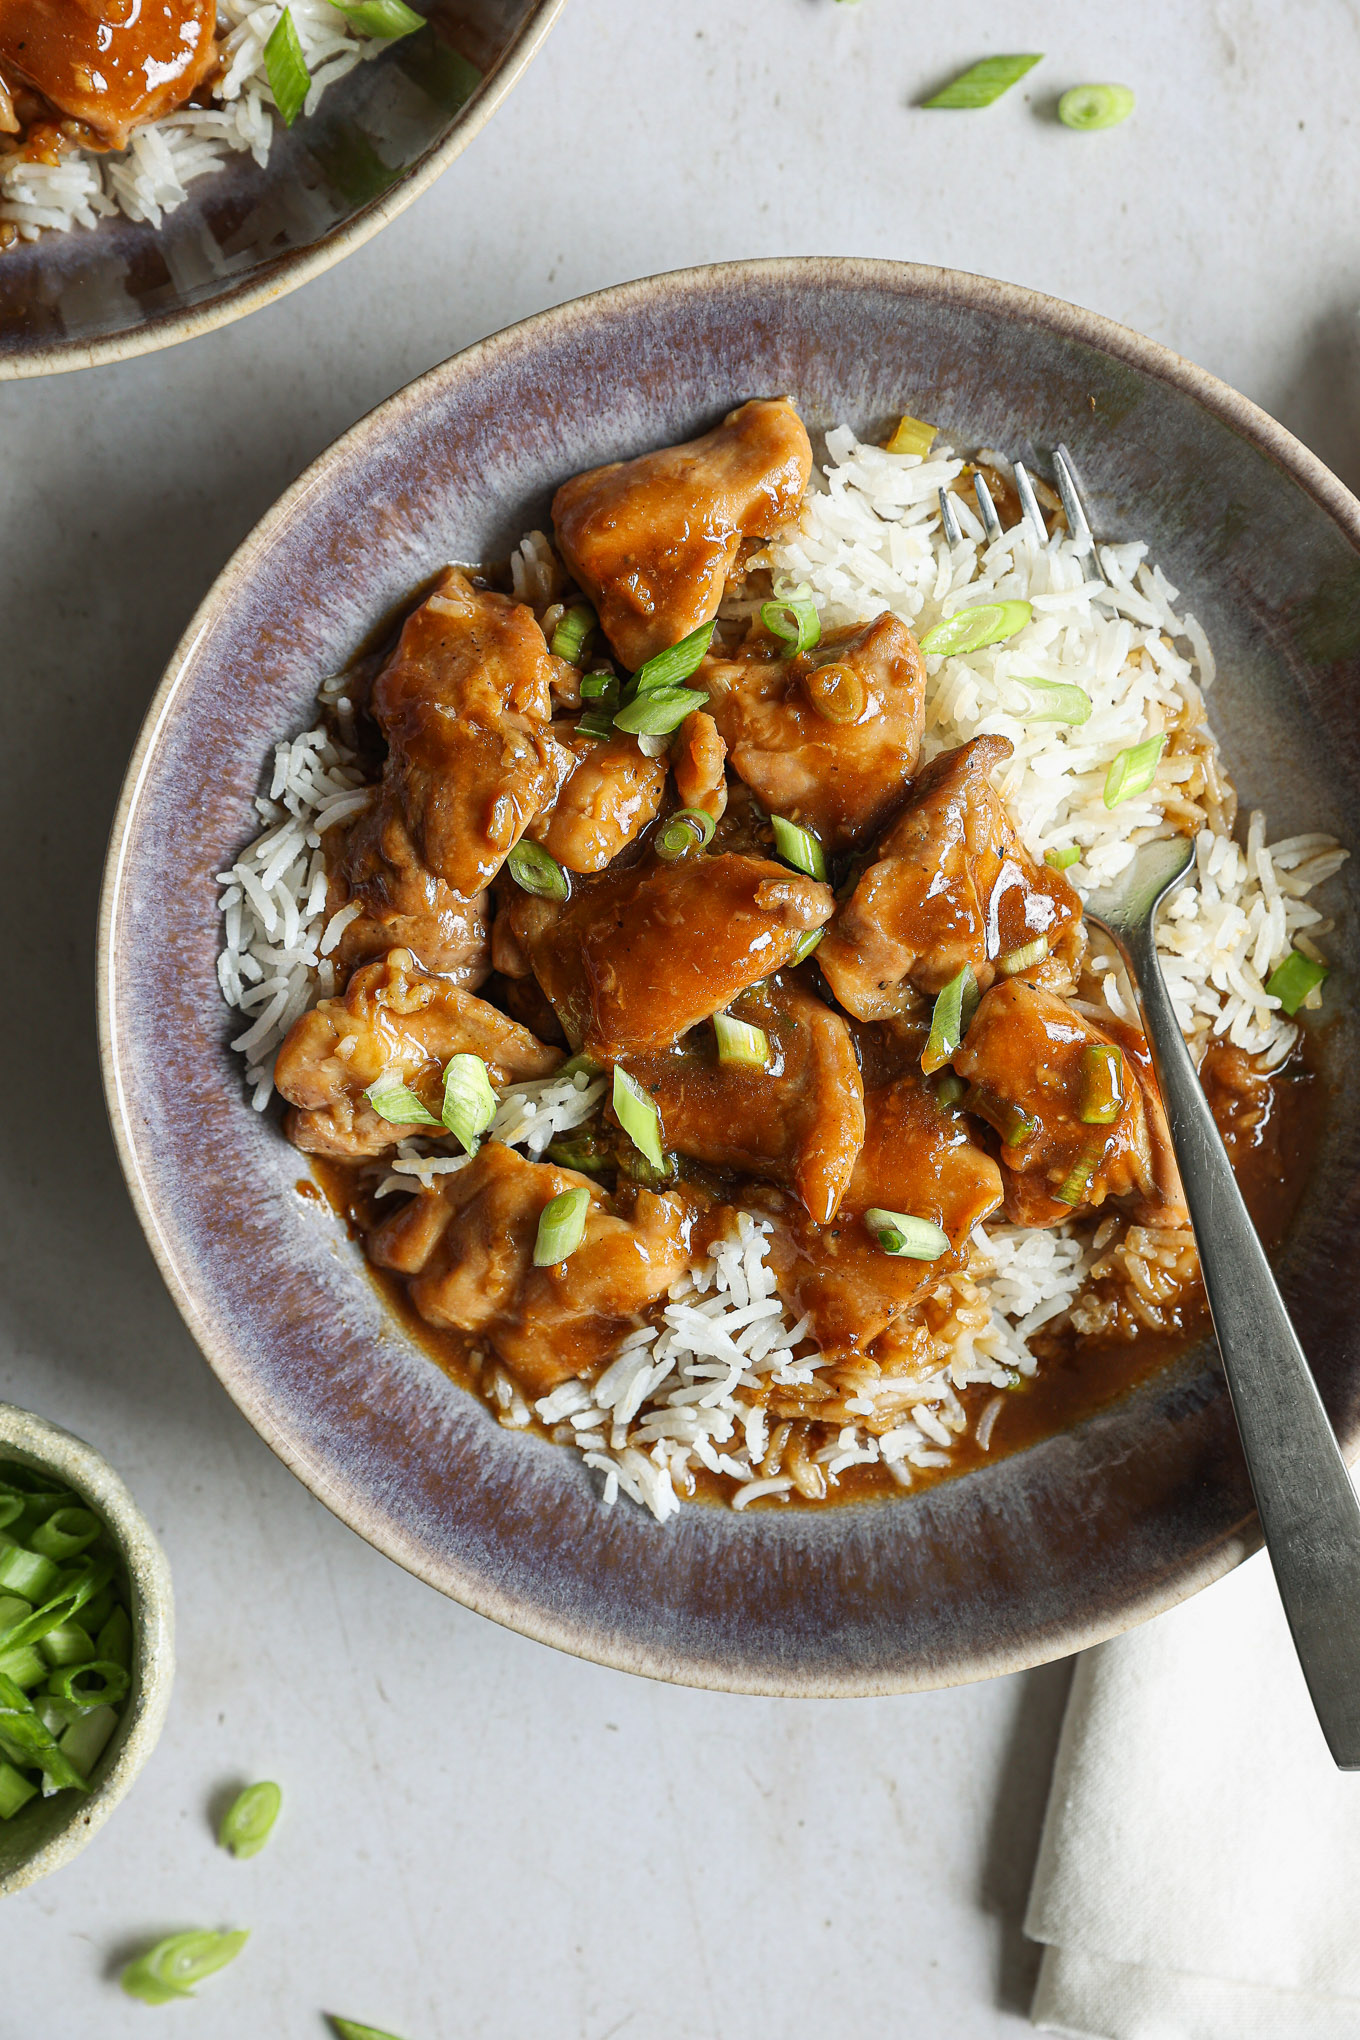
{"x":1304,"y":1494}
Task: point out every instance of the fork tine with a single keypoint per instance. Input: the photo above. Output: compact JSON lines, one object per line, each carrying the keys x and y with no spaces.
{"x":1029,"y":503}
{"x":1078,"y":523}
{"x":991,"y":523}
{"x":949,"y":518}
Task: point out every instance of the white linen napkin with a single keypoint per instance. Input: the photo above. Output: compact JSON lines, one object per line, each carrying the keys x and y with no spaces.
{"x":1199,"y":1873}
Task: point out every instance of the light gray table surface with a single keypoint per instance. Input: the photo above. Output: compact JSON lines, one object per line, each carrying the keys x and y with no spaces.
{"x":482,"y":1838}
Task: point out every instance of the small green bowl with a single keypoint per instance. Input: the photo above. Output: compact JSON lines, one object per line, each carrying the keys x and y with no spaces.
{"x":49,"y":1832}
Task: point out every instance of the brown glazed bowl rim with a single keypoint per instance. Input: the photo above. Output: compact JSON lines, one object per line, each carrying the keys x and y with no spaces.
{"x":484,"y":1593}
{"x":299,"y":266}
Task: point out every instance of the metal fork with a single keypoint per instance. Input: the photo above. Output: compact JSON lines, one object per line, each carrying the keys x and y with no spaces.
{"x":1069,"y":491}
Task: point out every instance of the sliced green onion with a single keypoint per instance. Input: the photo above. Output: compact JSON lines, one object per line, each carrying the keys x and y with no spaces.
{"x":26,"y":1665}
{"x":968,"y":630}
{"x":794,"y":619}
{"x":659,"y":710}
{"x":286,"y":68}
{"x":799,"y":847}
{"x":249,"y":1821}
{"x":1292,"y":981}
{"x":114,"y":1639}
{"x":76,"y":1592}
{"x":806,"y":944}
{"x":561,"y":1227}
{"x":1014,"y":1125}
{"x":911,"y":436}
{"x":469,"y":1102}
{"x":688,"y":829}
{"x":1024,"y":958}
{"x":1102,"y":1084}
{"x":397,"y":1103}
{"x":68,"y":1644}
{"x":1079,"y":1180}
{"x":600,"y":686}
{"x":535,"y":871}
{"x":15,"y":1791}
{"x":65,"y":1534}
{"x":97,"y":1611}
{"x":950,"y":1019}
{"x":836,"y":692}
{"x":638,"y":1116}
{"x":597,"y":724}
{"x":25,"y":1734}
{"x":913,"y":1239}
{"x":569,"y":639}
{"x":579,"y":1066}
{"x":738,"y":1042}
{"x":385,"y":20}
{"x":11,"y":1508}
{"x":26,"y":1572}
{"x":173,"y":1966}
{"x":350,"y":2029}
{"x":13,"y":1608}
{"x":583,"y":1152}
{"x":1060,"y":860}
{"x":113,"y":1684}
{"x":1055,"y":701}
{"x":1087,"y":107}
{"x":1133,"y":771}
{"x":85,"y":1741}
{"x":951,"y":1090}
{"x":669,"y":668}
{"x":982,"y":83}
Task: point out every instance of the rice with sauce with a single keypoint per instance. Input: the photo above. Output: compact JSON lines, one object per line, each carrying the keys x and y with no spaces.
{"x":727,"y":1380}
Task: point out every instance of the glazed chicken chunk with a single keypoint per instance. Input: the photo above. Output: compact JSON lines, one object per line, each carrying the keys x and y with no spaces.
{"x":1077,"y":1109}
{"x":828,"y":739}
{"x":639,"y":957}
{"x":951,"y":885}
{"x":396,"y":1020}
{"x":109,"y":67}
{"x":798,"y":1121}
{"x":464,"y":703}
{"x":613,"y":792}
{"x":653,"y":540}
{"x":405,"y":906}
{"x":468,"y":1246}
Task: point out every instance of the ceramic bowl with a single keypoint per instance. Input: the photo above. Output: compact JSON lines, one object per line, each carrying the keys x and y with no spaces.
{"x":48,"y":1832}
{"x":1037,"y":1555}
{"x":250,"y":232}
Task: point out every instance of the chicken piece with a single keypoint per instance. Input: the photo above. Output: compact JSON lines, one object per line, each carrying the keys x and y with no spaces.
{"x":406,"y":906}
{"x":799,"y":1121}
{"x":917,"y":1158}
{"x":951,"y":885}
{"x":613,"y":792}
{"x":698,"y":760}
{"x":653,"y":540}
{"x":639,"y":957}
{"x":110,"y":66}
{"x":464,"y":703}
{"x":841,"y":779}
{"x":393,"y":1019}
{"x":468,"y":1247}
{"x":1028,"y":1064}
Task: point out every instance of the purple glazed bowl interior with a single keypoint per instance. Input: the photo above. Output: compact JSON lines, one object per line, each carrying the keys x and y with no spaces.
{"x":1040,"y":1554}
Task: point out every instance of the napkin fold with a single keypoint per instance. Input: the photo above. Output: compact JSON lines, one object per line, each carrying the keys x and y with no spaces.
{"x":1199,"y":1873}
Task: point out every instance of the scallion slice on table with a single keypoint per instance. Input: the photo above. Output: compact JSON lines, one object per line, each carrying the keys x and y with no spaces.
{"x":913,"y":1239}
{"x":385,"y":20}
{"x":350,"y":2029}
{"x":1062,"y":860}
{"x":249,"y":1821}
{"x":793,"y":618}
{"x":397,"y":1103}
{"x":638,"y":1116}
{"x":673,"y":666}
{"x":1088,"y":107}
{"x":799,"y":847}
{"x":536,"y":871}
{"x":687,"y":830}
{"x":561,"y":1227}
{"x":950,"y":1019}
{"x":659,"y":710}
{"x":1054,"y":701}
{"x":982,"y":83}
{"x":1102,"y":1084}
{"x":912,"y":436}
{"x":1292,"y":981}
{"x":286,"y":68}
{"x":569,"y":639}
{"x":739,"y":1042}
{"x":1133,"y":771}
{"x":469,"y":1101}
{"x":970,"y":630}
{"x":175,"y":1965}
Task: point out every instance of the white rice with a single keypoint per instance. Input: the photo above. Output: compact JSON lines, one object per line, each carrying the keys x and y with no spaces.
{"x":150,"y":178}
{"x":688,"y":1395}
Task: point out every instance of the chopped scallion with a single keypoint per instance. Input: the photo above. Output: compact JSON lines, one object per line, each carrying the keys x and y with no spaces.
{"x":65,"y":1534}
{"x":27,"y":1737}
{"x":350,"y":2029}
{"x":1133,"y":771}
{"x":911,"y":436}
{"x":173,"y":1966}
{"x":687,"y":830}
{"x":951,"y":1090}
{"x":799,"y":847}
{"x":26,"y":1572}
{"x":669,"y":668}
{"x":806,"y":944}
{"x":600,"y":686}
{"x":11,"y":1508}
{"x":397,"y":1103}
{"x":1062,"y":860}
{"x":982,"y":83}
{"x":561,"y":1227}
{"x":113,"y":1681}
{"x":535,"y":871}
{"x":85,"y":1741}
{"x":69,"y":1644}
{"x":638,"y":1116}
{"x":1292,"y":981}
{"x":1055,"y":701}
{"x":659,"y":710}
{"x":286,"y":68}
{"x":114,"y":1639}
{"x":793,"y":618}
{"x":1023,"y":958}
{"x":469,"y":1102}
{"x":249,"y":1821}
{"x":1088,"y":107}
{"x":970,"y":630}
{"x":385,"y":20}
{"x":950,"y":1019}
{"x":739,"y":1042}
{"x":836,"y":692}
{"x":913,"y":1239}
{"x":1102,"y":1084}
{"x":1080,"y":1177}
{"x":569,"y":639}
{"x":26,"y":1666}
{"x":15,"y":1791}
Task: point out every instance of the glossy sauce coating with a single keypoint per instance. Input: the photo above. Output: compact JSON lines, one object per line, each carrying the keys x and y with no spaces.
{"x":110,"y":65}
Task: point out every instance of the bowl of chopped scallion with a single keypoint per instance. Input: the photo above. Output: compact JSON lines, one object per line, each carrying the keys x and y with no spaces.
{"x":86,"y":1644}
